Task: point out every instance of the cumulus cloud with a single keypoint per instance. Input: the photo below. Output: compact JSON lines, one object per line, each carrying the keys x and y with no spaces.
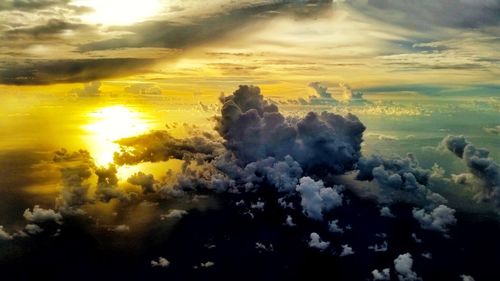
{"x":479,"y":163}
{"x":41,"y":215}
{"x":289,"y":221}
{"x":466,"y":277}
{"x":316,"y":198}
{"x":4,"y":235}
{"x":323,"y":97}
{"x":403,"y":265}
{"x":316,"y":242}
{"x":352,"y":97}
{"x":91,"y":89}
{"x":145,"y":181}
{"x":33,"y":229}
{"x":493,"y":130}
{"x":174,"y":213}
{"x":398,"y":179}
{"x":438,"y":219}
{"x":385,"y":274}
{"x":254,"y":129}
{"x":334,"y":227}
{"x":346,"y":250}
{"x":207,"y":264}
{"x":161,"y":262}
{"x":386,"y":212}
{"x":119,"y":228}
{"x":107,"y":184}
{"x":146,"y":89}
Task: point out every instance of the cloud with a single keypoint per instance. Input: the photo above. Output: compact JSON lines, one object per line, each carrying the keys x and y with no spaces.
{"x":161,"y":262}
{"x":403,"y":265}
{"x":289,"y":221}
{"x":385,"y":274}
{"x":42,"y":72}
{"x":254,"y":129}
{"x":386,"y":212}
{"x":40,"y":215}
{"x":145,"y":181}
{"x":438,"y":219}
{"x":174,"y":213}
{"x":90,"y":89}
{"x":479,"y":163}
{"x":146,"y":89}
{"x":107,"y":184}
{"x":207,"y":264}
{"x":379,"y":248}
{"x":398,"y":179}
{"x":323,"y":96}
{"x":346,"y":251}
{"x":334,"y":227}
{"x":316,"y":198}
{"x":4,"y":235}
{"x":466,"y":277}
{"x":352,"y":97}
{"x":30,"y":4}
{"x":162,"y":146}
{"x":316,"y":242}
{"x":119,"y":228}
{"x":33,"y":229}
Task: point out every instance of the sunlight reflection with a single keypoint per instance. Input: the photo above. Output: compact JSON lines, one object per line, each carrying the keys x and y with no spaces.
{"x":109,"y":124}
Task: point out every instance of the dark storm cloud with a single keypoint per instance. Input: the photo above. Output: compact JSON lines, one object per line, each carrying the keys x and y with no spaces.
{"x":145,"y":181}
{"x":448,"y":13}
{"x":255,"y":129}
{"x":168,"y":34}
{"x":40,"y":72}
{"x":480,"y":165}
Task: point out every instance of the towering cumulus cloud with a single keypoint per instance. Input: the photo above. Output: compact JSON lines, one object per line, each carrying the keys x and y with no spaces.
{"x":480,"y":165}
{"x":254,"y":129}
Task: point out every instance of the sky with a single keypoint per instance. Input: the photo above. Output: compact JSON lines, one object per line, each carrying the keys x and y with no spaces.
{"x":266,"y":139}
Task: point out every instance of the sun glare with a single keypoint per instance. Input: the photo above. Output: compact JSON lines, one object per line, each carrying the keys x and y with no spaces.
{"x":110,"y":124}
{"x":119,"y":12}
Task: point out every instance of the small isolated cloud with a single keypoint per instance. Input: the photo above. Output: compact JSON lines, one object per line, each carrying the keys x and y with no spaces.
{"x":379,"y":248}
{"x":174,"y":213}
{"x":40,"y":215}
{"x":4,"y":235}
{"x":146,"y":89}
{"x":427,"y":255}
{"x":386,"y":212}
{"x":207,"y":264}
{"x":316,"y":242}
{"x":385,"y":274}
{"x":415,"y":238}
{"x":289,"y":221}
{"x":161,"y":262}
{"x":403,"y":265}
{"x":316,"y":198}
{"x":91,"y":89}
{"x":119,"y":228}
{"x":261,"y":247}
{"x":346,"y":251}
{"x":259,"y":205}
{"x":438,"y":219}
{"x":352,"y":97}
{"x":467,"y":277}
{"x":334,"y":227}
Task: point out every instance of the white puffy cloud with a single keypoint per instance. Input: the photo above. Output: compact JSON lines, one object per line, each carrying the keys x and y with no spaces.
{"x":207,"y":264}
{"x":4,"y":235}
{"x":289,"y":221}
{"x":385,"y":274}
{"x":40,"y":215}
{"x":438,"y":219}
{"x":316,"y":242}
{"x":174,"y":213}
{"x":316,"y":198}
{"x":346,"y":250}
{"x":33,"y":229}
{"x":386,"y":212}
{"x":334,"y":227}
{"x":467,"y":277}
{"x":161,"y":262}
{"x":403,"y":265}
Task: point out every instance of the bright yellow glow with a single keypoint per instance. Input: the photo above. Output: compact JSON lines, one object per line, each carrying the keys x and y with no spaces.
{"x":119,"y":12}
{"x":110,"y":124}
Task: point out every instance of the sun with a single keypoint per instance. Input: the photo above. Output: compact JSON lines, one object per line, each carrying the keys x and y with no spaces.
{"x":109,"y":124}
{"x":119,"y":12}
